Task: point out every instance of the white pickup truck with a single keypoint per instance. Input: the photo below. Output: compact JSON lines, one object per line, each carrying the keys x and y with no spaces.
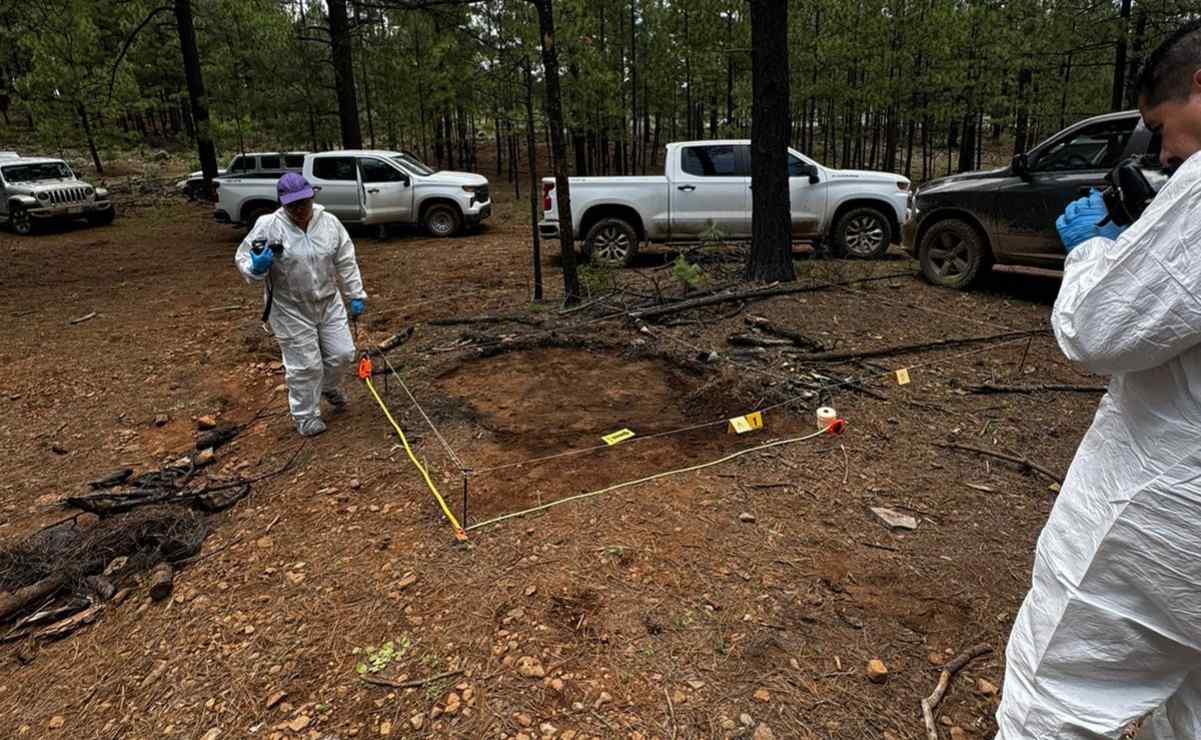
{"x":368,"y":187}
{"x":707,"y":186}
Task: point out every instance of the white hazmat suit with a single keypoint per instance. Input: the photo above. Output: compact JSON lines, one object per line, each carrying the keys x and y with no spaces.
{"x":1111,"y":628}
{"x":308,"y":317}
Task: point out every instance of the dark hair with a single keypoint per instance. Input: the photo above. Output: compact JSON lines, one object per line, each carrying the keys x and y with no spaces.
{"x":1167,"y":73}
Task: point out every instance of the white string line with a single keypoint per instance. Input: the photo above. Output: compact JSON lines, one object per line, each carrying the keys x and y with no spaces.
{"x":446,"y":445}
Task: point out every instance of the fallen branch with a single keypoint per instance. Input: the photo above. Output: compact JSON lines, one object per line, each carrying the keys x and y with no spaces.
{"x":902,"y":349}
{"x":931,"y":702}
{"x":82,"y":319}
{"x":1041,"y":388}
{"x":795,"y":337}
{"x":394,"y":341}
{"x":468,"y":320}
{"x":749,"y":295}
{"x":747,"y":340}
{"x":1024,"y":462}
{"x":415,"y":683}
{"x":14,"y":601}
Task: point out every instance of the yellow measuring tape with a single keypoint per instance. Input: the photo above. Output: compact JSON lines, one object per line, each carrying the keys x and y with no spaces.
{"x":365,"y":376}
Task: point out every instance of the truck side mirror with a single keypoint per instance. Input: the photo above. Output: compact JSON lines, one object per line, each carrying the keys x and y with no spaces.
{"x":1020,"y":165}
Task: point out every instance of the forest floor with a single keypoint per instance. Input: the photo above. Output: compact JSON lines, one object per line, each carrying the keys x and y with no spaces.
{"x":742,"y":599}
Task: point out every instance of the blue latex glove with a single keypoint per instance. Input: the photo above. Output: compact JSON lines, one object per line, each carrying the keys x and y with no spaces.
{"x":1079,"y":221}
{"x":357,"y":307}
{"x":260,"y":263}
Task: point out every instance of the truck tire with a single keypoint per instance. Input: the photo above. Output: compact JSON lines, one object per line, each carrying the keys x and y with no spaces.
{"x":611,"y":242}
{"x":953,"y":254}
{"x":19,"y":220}
{"x":443,"y":220}
{"x":254,"y":213}
{"x":862,"y":233}
{"x":102,"y":218}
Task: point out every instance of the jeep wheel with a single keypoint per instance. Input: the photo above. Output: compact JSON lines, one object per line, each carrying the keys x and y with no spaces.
{"x":254,"y":213}
{"x":442,"y":220}
{"x":19,"y":220}
{"x":862,"y":233}
{"x":953,"y":255}
{"x":611,"y":242}
{"x":102,"y":218}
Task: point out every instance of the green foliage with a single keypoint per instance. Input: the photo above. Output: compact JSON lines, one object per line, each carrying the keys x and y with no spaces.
{"x":374,"y":660}
{"x":875,"y":83}
{"x":596,"y":279}
{"x":687,"y":273}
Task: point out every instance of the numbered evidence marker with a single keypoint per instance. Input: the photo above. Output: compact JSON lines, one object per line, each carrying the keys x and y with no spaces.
{"x":621,"y":435}
{"x":744,"y":424}
{"x":903,"y":376}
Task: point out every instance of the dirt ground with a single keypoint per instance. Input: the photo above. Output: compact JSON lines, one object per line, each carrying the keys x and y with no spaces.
{"x":741,"y":599}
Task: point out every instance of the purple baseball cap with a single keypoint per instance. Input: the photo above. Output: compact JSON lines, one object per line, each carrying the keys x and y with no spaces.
{"x":293,"y":187}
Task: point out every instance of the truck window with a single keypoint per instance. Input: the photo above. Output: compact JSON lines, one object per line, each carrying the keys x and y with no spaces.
{"x":1095,"y":147}
{"x":376,"y":171}
{"x":334,"y":168}
{"x":240,"y":164}
{"x":797,"y":166}
{"x":719,"y":160}
{"x":294,"y":161}
{"x":269,"y":162}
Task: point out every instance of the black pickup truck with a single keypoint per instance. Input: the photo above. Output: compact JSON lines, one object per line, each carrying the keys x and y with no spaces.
{"x":964,"y":224}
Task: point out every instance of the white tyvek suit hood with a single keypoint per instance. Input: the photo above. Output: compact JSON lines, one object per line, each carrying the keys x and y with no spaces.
{"x":1111,"y":628}
{"x":308,"y":317}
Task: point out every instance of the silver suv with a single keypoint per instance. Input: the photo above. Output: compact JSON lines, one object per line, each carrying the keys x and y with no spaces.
{"x":38,"y":189}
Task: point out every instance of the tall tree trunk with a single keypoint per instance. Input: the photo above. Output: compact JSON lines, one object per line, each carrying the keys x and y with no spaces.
{"x":91,"y":139}
{"x":1022,"y":125}
{"x":771,"y":219}
{"x":200,"y":107}
{"x":967,"y":143}
{"x":554,"y":114}
{"x":534,"y":189}
{"x":1136,"y":60}
{"x":365,"y":80}
{"x":343,"y":59}
{"x":1119,"y":58}
{"x":633,"y":88}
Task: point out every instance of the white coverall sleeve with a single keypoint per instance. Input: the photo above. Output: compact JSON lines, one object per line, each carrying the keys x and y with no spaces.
{"x":242,"y":257}
{"x":348,"y":266}
{"x":1135,"y":303}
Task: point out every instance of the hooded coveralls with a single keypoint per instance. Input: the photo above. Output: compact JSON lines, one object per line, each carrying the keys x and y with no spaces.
{"x":308,"y":317}
{"x":1111,"y":627}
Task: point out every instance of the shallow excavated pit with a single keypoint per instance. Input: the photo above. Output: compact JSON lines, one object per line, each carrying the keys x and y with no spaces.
{"x":534,"y":404}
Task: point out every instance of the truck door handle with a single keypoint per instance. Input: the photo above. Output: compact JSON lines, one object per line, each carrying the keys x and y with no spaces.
{"x":686,"y":188}
{"x":373,"y":190}
{"x":316,"y":188}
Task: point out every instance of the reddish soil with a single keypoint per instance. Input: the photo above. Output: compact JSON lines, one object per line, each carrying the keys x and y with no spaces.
{"x":655,"y":610}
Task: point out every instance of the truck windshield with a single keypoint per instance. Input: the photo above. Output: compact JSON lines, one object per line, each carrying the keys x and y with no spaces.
{"x":38,"y":171}
{"x":412,"y":164}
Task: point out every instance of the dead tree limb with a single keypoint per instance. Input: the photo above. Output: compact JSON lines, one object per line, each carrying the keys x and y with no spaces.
{"x":14,"y":601}
{"x":753,"y":294}
{"x":797,"y":338}
{"x":394,"y":341}
{"x":903,"y":349}
{"x":1024,"y":462}
{"x":987,"y":388}
{"x":468,"y":320}
{"x":931,"y":702}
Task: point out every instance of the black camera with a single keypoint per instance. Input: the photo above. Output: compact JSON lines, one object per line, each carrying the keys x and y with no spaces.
{"x":1132,"y":185}
{"x":258,"y":245}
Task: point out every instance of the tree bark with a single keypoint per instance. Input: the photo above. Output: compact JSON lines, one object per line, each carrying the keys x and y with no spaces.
{"x":554,"y":114}
{"x":91,"y":138}
{"x":771,"y":226}
{"x":343,"y":59}
{"x":534,"y":189}
{"x":1119,"y":59}
{"x":195,"y":80}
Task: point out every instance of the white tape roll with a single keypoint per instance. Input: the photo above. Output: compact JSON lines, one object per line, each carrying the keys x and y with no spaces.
{"x":826,"y":417}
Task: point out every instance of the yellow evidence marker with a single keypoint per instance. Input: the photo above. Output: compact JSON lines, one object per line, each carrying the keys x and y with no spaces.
{"x":903,"y":376}
{"x":744,"y":424}
{"x":621,"y":435}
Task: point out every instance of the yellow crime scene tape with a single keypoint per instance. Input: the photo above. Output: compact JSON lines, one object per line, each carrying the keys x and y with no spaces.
{"x":365,"y":376}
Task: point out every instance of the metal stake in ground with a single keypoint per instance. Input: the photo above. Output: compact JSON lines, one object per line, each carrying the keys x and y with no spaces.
{"x":465,"y":474}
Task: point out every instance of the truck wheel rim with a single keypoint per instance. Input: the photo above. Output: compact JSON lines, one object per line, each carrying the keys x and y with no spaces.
{"x":611,"y":245}
{"x":22,"y":221}
{"x":864,"y":235}
{"x":441,"y":222}
{"x":950,"y":257}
